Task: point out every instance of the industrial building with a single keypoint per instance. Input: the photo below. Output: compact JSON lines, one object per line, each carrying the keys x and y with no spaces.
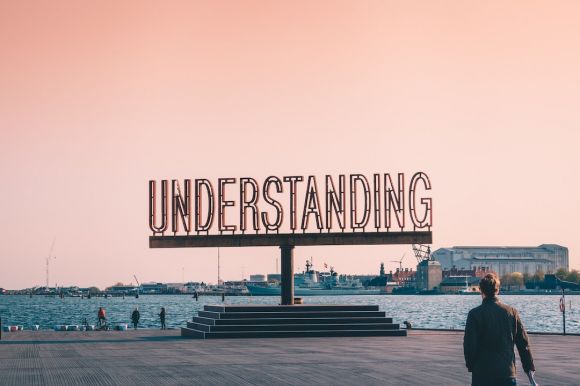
{"x":527,"y":260}
{"x":429,"y":275}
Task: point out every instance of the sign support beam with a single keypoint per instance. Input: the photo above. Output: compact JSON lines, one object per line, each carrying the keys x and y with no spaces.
{"x":295,"y":239}
{"x":287,"y":242}
{"x":287,"y":284}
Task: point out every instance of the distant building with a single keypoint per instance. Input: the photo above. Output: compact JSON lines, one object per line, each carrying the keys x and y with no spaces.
{"x":429,"y":275}
{"x":405,"y":277}
{"x":362,"y":278}
{"x":478,"y":272}
{"x":176,"y":287}
{"x":272,"y":277}
{"x":546,"y":257}
{"x":121,"y":289}
{"x":193,"y":287}
{"x":153,"y":288}
{"x":257,"y":277}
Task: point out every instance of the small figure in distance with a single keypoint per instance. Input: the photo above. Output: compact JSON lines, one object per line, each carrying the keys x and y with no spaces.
{"x":135,"y":317}
{"x":491,"y":331}
{"x":408,"y":325}
{"x":101,"y":315}
{"x":162,"y":318}
{"x":196,"y":296}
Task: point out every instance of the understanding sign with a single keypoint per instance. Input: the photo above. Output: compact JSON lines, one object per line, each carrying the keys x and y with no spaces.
{"x":291,"y":211}
{"x":270,"y":206}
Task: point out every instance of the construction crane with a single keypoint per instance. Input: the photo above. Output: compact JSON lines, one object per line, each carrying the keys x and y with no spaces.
{"x":422,"y":252}
{"x":138,"y":286}
{"x":50,"y":256}
{"x":400,"y":261}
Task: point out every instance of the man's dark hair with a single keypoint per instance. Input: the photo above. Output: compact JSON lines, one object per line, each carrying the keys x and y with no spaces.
{"x":489,"y":285}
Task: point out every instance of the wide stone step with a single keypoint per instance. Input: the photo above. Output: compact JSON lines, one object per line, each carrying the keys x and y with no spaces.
{"x":304,"y":314}
{"x":192,"y":333}
{"x":294,"y":308}
{"x":292,"y":327}
{"x":261,"y":321}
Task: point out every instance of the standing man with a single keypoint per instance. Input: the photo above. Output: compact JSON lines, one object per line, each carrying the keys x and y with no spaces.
{"x":162,"y":318}
{"x":491,"y":331}
{"x":135,"y":317}
{"x":101,"y":315}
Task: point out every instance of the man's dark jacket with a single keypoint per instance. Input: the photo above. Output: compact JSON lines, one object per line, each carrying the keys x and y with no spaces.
{"x":491,"y":331}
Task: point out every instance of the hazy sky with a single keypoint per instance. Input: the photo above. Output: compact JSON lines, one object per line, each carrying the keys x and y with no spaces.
{"x":97,"y":98}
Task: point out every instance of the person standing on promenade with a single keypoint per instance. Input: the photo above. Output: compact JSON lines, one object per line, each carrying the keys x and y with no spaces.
{"x":135,"y":317}
{"x":101,"y":315}
{"x":491,"y":331}
{"x":162,"y":318}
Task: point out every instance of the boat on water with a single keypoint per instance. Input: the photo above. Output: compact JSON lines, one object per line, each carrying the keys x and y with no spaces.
{"x":315,"y":283}
{"x":467,"y":291}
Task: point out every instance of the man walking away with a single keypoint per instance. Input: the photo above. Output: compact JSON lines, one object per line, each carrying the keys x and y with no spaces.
{"x":162,"y":318}
{"x":135,"y":317}
{"x":491,"y":331}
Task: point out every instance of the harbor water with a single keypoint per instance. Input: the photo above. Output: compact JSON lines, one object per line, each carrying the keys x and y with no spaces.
{"x":540,"y":313}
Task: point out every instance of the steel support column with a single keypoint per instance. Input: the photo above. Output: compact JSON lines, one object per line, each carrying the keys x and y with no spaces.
{"x":287,"y":285}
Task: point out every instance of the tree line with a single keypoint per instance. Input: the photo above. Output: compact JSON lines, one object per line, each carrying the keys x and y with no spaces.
{"x":516,"y":280}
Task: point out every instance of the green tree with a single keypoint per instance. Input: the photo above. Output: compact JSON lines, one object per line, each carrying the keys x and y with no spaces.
{"x":527,"y":277}
{"x":573,"y":276}
{"x":517,"y":279}
{"x":562,"y":273}
{"x":538,"y":276}
{"x":94,"y":290}
{"x":506,"y":281}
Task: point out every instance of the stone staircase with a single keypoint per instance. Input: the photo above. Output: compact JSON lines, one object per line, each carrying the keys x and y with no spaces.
{"x":266,"y":321}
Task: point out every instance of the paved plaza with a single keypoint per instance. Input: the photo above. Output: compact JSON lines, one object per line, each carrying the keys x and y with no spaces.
{"x":153,"y":357}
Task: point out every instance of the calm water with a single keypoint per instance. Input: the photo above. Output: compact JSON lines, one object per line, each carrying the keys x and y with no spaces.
{"x":538,"y":312}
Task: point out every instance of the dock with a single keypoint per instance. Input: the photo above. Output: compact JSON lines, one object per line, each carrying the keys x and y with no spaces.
{"x":154,"y":357}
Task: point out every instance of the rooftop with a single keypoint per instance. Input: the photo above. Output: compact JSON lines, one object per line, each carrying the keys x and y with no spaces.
{"x":494,"y":247}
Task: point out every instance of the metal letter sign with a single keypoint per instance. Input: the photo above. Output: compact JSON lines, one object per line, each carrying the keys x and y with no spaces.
{"x":291,"y":210}
{"x":268,"y":214}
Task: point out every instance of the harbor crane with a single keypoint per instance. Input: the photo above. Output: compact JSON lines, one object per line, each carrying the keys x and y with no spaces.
{"x":422,"y":252}
{"x":138,"y":286}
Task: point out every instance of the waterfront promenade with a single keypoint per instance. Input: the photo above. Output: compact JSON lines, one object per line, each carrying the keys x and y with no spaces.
{"x":154,"y":357}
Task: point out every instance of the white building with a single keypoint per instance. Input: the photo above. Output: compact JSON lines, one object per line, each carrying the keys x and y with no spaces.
{"x":257,"y":277}
{"x":502,"y":260}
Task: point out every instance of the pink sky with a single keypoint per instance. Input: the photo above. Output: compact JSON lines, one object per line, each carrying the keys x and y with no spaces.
{"x":97,"y":98}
